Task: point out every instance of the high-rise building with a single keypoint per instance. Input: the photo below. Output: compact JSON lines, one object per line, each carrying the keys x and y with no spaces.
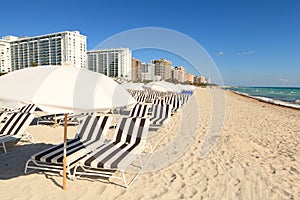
{"x":136,"y":69}
{"x":174,"y":75}
{"x":5,"y":58}
{"x":148,"y":72}
{"x":163,"y":68}
{"x":189,"y":78}
{"x":181,"y":73}
{"x":62,"y":48}
{"x":199,"y":80}
{"x":111,"y":62}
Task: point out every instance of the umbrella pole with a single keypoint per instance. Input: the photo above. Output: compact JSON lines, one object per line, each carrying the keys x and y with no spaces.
{"x":65,"y":153}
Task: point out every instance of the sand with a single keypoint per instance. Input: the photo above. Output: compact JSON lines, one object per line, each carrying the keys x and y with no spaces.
{"x":255,"y":154}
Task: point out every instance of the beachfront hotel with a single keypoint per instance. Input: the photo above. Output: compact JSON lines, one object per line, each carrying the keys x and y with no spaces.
{"x":5,"y":58}
{"x":190,"y":78}
{"x":136,"y":74}
{"x":62,"y":48}
{"x":178,"y":74}
{"x":111,"y":62}
{"x":69,"y":48}
{"x":163,"y":68}
{"x":201,"y":80}
{"x":148,"y":72}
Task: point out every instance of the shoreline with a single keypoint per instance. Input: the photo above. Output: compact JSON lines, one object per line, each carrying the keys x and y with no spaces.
{"x":265,"y":101}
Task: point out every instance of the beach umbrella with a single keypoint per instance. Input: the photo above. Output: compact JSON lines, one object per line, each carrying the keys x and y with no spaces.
{"x":162,"y":86}
{"x":63,"y":90}
{"x":185,"y":87}
{"x":133,"y":86}
{"x":157,"y":87}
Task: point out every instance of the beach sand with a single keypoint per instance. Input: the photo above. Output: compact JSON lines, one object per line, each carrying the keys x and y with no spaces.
{"x":256,"y":155}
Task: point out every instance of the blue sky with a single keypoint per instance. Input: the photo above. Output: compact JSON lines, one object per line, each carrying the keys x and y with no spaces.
{"x":251,"y":42}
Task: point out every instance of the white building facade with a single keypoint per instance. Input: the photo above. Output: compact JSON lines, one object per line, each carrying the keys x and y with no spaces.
{"x":148,"y":72}
{"x":163,"y":68}
{"x":111,"y":62}
{"x":62,"y":48}
{"x":5,"y":58}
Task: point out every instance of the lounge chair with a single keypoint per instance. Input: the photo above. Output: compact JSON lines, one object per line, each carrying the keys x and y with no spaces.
{"x":128,"y":144}
{"x":29,"y":108}
{"x":159,"y":102}
{"x":15,"y":127}
{"x":139,"y":110}
{"x":140,"y":98}
{"x":184,"y":98}
{"x":73,"y":119}
{"x":92,"y":134}
{"x":161,"y":114}
{"x":174,"y":100}
{"x":50,"y":119}
{"x":151,"y":97}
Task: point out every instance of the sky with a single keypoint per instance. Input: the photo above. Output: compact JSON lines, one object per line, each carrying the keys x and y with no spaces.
{"x":252,"y":42}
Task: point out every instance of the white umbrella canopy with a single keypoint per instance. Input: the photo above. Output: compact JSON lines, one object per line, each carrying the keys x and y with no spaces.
{"x":133,"y":86}
{"x":186,"y":87}
{"x":163,"y":86}
{"x":157,"y":87}
{"x":63,"y":90}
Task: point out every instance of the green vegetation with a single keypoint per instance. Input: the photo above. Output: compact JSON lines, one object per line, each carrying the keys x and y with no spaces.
{"x":34,"y":64}
{"x":205,"y":84}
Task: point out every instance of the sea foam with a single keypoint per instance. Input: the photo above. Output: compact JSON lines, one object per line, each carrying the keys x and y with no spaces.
{"x":273,"y":101}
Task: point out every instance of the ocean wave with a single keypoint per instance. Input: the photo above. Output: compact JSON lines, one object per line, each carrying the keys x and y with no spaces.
{"x":277,"y":102}
{"x":242,"y":93}
{"x":273,"y":101}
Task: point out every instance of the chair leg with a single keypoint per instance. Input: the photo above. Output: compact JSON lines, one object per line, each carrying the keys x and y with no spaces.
{"x":26,"y":166}
{"x":4,"y":148}
{"x":142,"y":165}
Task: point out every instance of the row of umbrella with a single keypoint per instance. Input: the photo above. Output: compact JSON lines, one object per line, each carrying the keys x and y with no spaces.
{"x":161,"y":86}
{"x":58,"y":89}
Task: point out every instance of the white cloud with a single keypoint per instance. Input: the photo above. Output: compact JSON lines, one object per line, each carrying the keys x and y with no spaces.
{"x":283,"y":80}
{"x":245,"y":53}
{"x":221,"y":53}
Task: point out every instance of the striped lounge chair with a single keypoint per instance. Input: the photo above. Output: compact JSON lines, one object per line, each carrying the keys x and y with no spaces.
{"x":140,"y":98}
{"x":161,"y":114}
{"x":159,"y":102}
{"x":174,"y":101}
{"x":126,"y":147}
{"x":28,"y":108}
{"x":184,"y":98}
{"x":139,"y":110}
{"x":15,"y":127}
{"x":50,"y":119}
{"x":73,"y":119}
{"x":92,"y":134}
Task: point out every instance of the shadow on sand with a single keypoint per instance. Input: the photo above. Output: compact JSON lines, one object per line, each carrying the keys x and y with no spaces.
{"x":13,"y":163}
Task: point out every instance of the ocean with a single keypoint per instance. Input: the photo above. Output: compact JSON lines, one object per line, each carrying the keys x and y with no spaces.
{"x":286,"y":96}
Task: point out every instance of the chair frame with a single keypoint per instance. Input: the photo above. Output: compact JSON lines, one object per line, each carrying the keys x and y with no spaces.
{"x":18,"y":130}
{"x":108,"y":172}
{"x":58,"y":167}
